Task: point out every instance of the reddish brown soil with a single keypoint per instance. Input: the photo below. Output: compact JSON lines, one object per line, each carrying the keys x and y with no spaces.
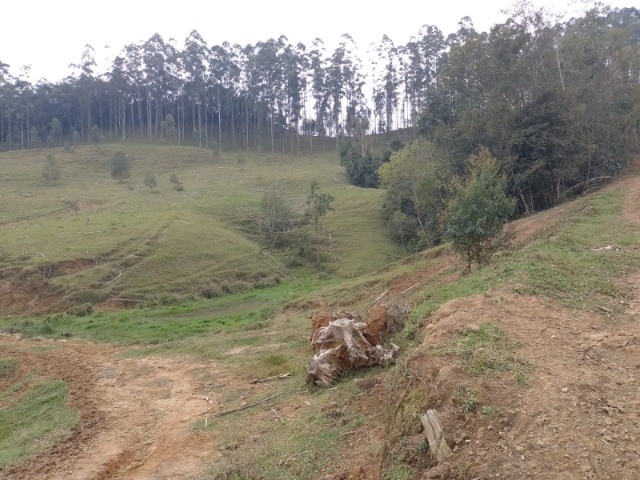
{"x":136,"y":414}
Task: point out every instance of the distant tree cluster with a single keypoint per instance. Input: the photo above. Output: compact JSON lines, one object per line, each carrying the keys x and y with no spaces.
{"x":260,"y":96}
{"x":556,"y":105}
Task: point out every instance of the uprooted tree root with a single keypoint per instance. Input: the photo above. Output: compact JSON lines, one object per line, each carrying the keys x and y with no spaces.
{"x":343,"y":342}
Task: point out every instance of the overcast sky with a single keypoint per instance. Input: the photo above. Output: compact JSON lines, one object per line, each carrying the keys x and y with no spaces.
{"x":50,"y":35}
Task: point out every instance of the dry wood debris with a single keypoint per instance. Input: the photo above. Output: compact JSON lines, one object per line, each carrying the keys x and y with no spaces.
{"x":343,"y":341}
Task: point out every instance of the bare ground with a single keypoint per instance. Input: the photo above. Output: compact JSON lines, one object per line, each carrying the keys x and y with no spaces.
{"x":136,"y":413}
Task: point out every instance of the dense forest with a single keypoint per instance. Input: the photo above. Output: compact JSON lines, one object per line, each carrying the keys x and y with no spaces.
{"x":557,"y":103}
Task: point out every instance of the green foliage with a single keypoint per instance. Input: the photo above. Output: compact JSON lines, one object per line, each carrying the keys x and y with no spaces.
{"x":417,"y":182}
{"x":277,"y":217}
{"x":168,"y":128}
{"x":478,"y":210}
{"x":150,"y":180}
{"x":360,"y":165}
{"x":120,"y":167}
{"x":469,"y":400}
{"x":553,"y":102}
{"x":51,"y":170}
{"x":8,"y":366}
{"x":175,"y":181}
{"x":318,"y":204}
{"x":485,"y":349}
{"x":96,"y":134}
{"x":398,"y":471}
{"x":55,"y":131}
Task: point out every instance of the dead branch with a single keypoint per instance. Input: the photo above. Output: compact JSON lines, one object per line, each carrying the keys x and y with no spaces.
{"x":268,"y":379}
{"x":228,"y":412}
{"x":380,"y":297}
{"x":410,"y":288}
{"x":591,"y":180}
{"x":114,"y":279}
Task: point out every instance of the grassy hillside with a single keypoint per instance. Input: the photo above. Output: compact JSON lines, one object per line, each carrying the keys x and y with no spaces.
{"x":549,"y":326}
{"x":91,"y":239}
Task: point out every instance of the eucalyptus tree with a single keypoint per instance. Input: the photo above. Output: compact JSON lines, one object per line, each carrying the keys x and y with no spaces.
{"x":386,"y":83}
{"x":295,"y":64}
{"x":317,"y":82}
{"x":223,"y":83}
{"x":420,"y":60}
{"x":84,"y":79}
{"x":194,"y":61}
{"x":160,"y":78}
{"x":345,"y":87}
{"x":6,"y":103}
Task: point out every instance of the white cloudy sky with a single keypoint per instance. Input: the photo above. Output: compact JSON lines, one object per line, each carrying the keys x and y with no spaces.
{"x":49,"y":35}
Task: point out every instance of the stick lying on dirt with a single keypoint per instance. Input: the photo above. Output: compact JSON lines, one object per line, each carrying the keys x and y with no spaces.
{"x":227,"y":412}
{"x":439,"y":448}
{"x":268,"y":379}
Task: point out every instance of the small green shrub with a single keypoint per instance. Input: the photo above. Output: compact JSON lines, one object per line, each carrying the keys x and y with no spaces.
{"x":8,"y":367}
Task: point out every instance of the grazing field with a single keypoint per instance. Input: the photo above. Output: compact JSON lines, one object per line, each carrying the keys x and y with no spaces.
{"x":190,"y":362}
{"x":91,"y":239}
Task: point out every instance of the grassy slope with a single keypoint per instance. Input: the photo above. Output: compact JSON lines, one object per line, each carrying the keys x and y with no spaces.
{"x":560,"y":264}
{"x":169,"y":242}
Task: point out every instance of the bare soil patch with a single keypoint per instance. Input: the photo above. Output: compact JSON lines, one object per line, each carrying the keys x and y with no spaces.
{"x":136,"y":413}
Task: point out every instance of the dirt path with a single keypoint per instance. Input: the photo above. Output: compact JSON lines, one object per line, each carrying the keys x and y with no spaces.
{"x":137,"y":414}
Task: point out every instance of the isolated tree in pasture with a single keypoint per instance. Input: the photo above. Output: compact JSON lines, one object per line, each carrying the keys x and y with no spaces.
{"x":318,"y":204}
{"x":175,"y":181}
{"x":120,"y":167}
{"x":278,"y":217}
{"x":150,"y":180}
{"x":478,"y":211}
{"x":51,"y":170}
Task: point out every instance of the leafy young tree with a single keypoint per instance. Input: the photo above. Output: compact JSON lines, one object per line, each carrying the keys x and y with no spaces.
{"x":318,"y":204}
{"x":51,"y":170}
{"x":278,"y":216}
{"x":177,"y":184}
{"x":150,"y":180}
{"x":120,"y":167}
{"x":417,"y":182}
{"x":478,"y":210}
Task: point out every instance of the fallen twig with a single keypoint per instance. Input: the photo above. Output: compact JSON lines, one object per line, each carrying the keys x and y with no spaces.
{"x":268,"y":379}
{"x":377,"y":299}
{"x":114,"y":279}
{"x":275,"y":412}
{"x":227,"y":412}
{"x":410,"y":288}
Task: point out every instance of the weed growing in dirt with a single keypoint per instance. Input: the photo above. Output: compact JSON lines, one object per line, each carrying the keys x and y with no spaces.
{"x":8,"y":366}
{"x":468,"y":399}
{"x":486,"y":350}
{"x":490,"y":411}
{"x":398,"y":471}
